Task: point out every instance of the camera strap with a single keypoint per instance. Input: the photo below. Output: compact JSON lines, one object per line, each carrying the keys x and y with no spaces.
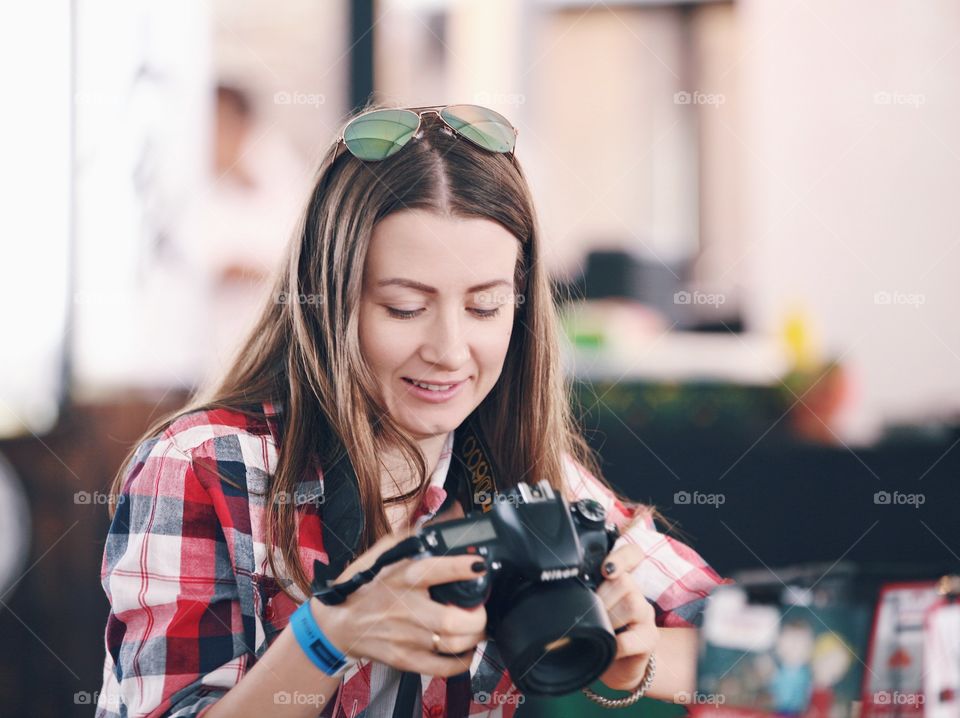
{"x":471,"y":478}
{"x":470,"y":481}
{"x":408,"y":692}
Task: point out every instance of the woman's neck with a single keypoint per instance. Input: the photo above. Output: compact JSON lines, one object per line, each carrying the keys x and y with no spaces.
{"x":395,"y":472}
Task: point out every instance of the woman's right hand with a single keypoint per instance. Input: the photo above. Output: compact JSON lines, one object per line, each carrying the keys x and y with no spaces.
{"x":393,"y":620}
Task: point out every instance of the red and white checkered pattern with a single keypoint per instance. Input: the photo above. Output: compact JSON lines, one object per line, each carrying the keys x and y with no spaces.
{"x":193,"y":603}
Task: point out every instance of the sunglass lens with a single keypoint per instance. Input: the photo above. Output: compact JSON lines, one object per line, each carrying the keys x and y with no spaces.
{"x":380,"y":134}
{"x":487,"y":128}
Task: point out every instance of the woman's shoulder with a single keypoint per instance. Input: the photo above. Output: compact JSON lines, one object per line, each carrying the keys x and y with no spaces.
{"x":223,"y":428}
{"x":209,"y":443}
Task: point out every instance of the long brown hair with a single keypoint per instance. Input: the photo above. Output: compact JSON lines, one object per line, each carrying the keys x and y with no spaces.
{"x":306,"y":354}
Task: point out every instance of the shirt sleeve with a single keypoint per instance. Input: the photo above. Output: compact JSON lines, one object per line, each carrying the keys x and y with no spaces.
{"x":174,"y":634}
{"x":673,"y":577}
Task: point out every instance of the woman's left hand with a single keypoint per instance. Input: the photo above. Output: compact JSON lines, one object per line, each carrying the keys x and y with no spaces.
{"x":627,"y":607}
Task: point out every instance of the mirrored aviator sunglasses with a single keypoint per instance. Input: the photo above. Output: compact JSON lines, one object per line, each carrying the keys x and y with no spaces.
{"x":379,"y":134}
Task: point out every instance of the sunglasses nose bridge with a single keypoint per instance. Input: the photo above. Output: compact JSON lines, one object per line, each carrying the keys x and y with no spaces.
{"x":421,"y":113}
{"x":446,"y":126}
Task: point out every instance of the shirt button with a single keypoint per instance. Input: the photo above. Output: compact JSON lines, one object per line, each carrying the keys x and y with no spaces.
{"x":269,"y":612}
{"x":436,"y":711}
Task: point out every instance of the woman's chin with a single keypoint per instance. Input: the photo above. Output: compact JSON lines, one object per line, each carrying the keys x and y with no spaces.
{"x":423,"y":427}
{"x":424,"y":420}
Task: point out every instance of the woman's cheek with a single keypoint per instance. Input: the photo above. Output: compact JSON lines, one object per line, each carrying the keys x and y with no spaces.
{"x":381,"y":344}
{"x":495,"y":347}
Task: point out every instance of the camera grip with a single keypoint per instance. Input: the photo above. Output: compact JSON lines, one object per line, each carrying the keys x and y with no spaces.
{"x":465,"y":594}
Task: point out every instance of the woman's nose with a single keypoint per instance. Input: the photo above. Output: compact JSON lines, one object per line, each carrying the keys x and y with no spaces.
{"x":446,"y":345}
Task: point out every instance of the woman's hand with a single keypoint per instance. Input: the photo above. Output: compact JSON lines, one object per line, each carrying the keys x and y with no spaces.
{"x":629,"y":610}
{"x":393,"y":620}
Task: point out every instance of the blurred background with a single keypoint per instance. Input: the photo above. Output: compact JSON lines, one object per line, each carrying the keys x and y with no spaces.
{"x":745,"y":206}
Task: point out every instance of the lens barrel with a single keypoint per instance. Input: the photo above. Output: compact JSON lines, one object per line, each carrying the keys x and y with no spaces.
{"x":555,"y":638}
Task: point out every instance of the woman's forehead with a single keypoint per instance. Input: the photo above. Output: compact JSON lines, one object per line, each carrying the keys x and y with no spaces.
{"x":439,"y":250}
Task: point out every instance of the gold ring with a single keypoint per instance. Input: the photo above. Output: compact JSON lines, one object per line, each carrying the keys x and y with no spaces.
{"x":436,"y":642}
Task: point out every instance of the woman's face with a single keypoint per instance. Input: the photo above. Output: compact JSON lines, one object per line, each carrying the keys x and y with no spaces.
{"x":437,"y":309}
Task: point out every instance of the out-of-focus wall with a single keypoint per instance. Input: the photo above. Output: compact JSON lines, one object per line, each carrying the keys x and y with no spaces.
{"x":617,"y":152}
{"x":850,"y":162}
{"x":717,"y":53}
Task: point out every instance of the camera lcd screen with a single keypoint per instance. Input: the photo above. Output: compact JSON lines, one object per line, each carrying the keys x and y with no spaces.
{"x":468,"y":533}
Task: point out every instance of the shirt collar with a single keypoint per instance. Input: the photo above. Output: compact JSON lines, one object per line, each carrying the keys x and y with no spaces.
{"x":435,"y":494}
{"x":439,"y":475}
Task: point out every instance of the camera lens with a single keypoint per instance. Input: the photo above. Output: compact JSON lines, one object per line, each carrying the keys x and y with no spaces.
{"x":555,"y":638}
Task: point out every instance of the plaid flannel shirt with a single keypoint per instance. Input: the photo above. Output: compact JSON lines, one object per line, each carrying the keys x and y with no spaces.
{"x":193,"y":603}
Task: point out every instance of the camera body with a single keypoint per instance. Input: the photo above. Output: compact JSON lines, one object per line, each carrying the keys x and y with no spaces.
{"x":543,"y":558}
{"x":530,"y":534}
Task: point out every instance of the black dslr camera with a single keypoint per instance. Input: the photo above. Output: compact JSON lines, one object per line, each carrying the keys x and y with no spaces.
{"x":543,"y":558}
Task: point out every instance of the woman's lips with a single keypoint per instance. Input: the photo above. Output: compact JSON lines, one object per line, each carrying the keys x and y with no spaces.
{"x":434,"y":396}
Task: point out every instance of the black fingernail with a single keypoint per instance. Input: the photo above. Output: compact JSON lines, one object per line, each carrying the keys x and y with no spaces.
{"x":479,"y":566}
{"x":609,"y":567}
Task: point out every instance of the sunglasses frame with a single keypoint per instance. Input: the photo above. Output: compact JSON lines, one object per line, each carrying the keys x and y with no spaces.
{"x":420,"y":112}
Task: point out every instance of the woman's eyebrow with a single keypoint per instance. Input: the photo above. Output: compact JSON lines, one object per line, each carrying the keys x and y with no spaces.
{"x":427,"y":289}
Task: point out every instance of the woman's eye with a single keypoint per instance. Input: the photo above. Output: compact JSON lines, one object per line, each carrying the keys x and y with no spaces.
{"x":403,"y":313}
{"x":486,"y":313}
{"x":411,"y":313}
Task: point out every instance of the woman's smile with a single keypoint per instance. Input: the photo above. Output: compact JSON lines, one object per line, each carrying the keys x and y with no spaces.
{"x":428,"y":391}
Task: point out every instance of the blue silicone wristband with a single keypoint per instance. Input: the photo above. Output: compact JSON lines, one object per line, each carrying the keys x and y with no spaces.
{"x":317,"y":646}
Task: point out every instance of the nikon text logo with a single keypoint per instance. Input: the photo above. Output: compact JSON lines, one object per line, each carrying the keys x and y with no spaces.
{"x":556,"y":574}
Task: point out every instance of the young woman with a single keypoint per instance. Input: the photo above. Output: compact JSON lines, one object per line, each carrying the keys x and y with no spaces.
{"x":412,"y":300}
